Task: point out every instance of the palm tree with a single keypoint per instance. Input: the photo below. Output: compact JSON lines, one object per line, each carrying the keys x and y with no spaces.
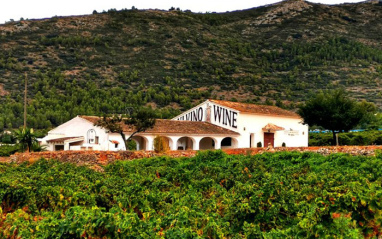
{"x":26,"y":138}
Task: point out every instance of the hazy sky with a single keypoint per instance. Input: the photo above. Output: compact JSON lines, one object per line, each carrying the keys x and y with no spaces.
{"x":36,"y":9}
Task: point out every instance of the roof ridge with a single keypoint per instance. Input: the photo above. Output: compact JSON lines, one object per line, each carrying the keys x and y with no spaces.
{"x":256,"y":108}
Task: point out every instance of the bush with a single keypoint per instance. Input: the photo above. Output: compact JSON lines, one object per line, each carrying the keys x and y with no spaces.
{"x":373,"y":137}
{"x":8,"y":150}
{"x":161,"y":144}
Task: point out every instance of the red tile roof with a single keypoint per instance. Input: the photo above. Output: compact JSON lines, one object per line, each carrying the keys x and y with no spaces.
{"x":61,"y":140}
{"x":257,"y":109}
{"x":166,"y":126}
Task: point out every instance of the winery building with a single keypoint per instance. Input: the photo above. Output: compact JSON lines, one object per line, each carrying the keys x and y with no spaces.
{"x":213,"y":124}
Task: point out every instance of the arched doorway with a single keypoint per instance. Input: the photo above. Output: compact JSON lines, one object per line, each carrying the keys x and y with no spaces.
{"x":185,"y":143}
{"x":207,"y":143}
{"x":229,"y":143}
{"x":141,"y":142}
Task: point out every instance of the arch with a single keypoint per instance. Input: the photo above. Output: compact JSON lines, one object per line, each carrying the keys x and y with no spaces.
{"x":167,"y":140}
{"x":207,"y":143}
{"x":141,"y":142}
{"x":185,"y":143}
{"x":229,"y":143}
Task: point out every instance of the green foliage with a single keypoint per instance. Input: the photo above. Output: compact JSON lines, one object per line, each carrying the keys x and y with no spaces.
{"x":7,"y":138}
{"x":86,"y":66}
{"x":26,"y":139}
{"x":372,"y":137}
{"x":211,"y":195}
{"x":131,"y":145}
{"x":139,"y":120}
{"x":7,"y":150}
{"x":335,"y":111}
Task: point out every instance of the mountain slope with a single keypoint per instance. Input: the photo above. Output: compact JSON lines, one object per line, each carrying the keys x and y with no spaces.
{"x":106,"y":62}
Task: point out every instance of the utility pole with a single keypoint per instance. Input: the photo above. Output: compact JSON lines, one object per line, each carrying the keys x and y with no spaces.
{"x":25,"y":101}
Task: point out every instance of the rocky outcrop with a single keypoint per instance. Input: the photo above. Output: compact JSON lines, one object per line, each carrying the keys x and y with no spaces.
{"x":283,"y":11}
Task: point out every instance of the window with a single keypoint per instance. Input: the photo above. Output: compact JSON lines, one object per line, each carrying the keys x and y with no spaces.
{"x":58,"y":147}
{"x":116,"y":145}
{"x":97,"y":140}
{"x":91,"y":136}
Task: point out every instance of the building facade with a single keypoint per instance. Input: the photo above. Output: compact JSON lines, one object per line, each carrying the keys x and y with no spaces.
{"x":214,"y":124}
{"x":256,"y":124}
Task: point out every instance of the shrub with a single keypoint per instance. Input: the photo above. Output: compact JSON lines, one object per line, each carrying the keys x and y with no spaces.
{"x":259,"y":144}
{"x":7,"y":150}
{"x":161,"y":144}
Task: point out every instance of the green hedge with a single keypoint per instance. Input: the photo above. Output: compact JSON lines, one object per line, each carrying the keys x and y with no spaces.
{"x":350,"y":138}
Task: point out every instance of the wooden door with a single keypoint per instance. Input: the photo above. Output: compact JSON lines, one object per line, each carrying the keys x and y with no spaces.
{"x":269,"y":138}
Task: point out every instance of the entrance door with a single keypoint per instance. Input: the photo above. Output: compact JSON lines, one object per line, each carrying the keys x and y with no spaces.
{"x":269,"y":138}
{"x":252,"y":140}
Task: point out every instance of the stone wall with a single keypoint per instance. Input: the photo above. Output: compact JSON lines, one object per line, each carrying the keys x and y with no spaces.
{"x":96,"y":159}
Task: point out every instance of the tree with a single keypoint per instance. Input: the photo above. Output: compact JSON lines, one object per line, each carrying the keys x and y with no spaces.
{"x":26,"y":138}
{"x":333,"y":110}
{"x":139,"y":121}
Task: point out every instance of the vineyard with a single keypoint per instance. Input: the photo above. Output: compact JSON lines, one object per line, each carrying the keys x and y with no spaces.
{"x":211,"y":195}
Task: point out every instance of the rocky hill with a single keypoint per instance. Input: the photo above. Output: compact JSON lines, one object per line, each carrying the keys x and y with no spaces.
{"x":171,"y":60}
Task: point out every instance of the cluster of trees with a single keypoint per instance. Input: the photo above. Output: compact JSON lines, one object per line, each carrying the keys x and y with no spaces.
{"x":56,"y":99}
{"x":335,"y":111}
{"x":367,"y":137}
{"x":106,"y":70}
{"x":70,"y":41}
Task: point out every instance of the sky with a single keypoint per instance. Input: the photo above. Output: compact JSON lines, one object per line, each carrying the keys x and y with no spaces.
{"x":37,"y":9}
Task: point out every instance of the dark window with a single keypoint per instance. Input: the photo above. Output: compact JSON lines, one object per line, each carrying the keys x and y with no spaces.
{"x":58,"y":147}
{"x":116,"y":145}
{"x":227,"y":142}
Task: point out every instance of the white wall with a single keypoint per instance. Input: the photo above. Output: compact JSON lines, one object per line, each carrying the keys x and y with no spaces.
{"x":245,"y":124}
{"x":77,"y":127}
{"x":219,"y":115}
{"x":250,"y":123}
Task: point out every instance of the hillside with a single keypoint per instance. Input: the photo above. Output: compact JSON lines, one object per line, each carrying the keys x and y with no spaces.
{"x":171,"y":60}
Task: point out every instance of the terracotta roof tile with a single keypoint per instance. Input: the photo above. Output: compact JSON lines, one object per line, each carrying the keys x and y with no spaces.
{"x":166,"y":126}
{"x":257,"y":109}
{"x":272,"y":127}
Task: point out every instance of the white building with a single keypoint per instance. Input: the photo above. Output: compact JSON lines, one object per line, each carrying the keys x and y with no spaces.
{"x":214,"y":124}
